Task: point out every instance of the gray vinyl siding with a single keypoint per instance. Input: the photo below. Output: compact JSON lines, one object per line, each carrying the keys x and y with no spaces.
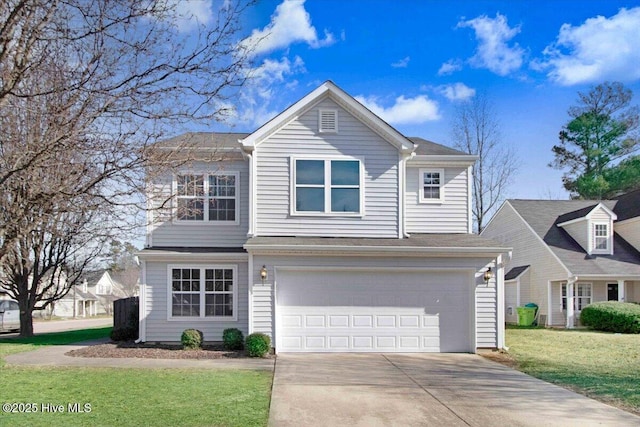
{"x":630,"y":231}
{"x":580,"y":233}
{"x":450,"y":216}
{"x":300,"y":137}
{"x":509,"y":229}
{"x":485,"y":294}
{"x":160,"y":329}
{"x":165,"y":231}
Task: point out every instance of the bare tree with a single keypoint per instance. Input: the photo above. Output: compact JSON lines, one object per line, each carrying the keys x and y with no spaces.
{"x":86,"y":86}
{"x":475,"y":129}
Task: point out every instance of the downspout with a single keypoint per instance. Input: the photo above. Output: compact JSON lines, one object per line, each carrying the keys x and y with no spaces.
{"x":251,"y":231}
{"x":402,"y":190}
{"x":142,"y":302}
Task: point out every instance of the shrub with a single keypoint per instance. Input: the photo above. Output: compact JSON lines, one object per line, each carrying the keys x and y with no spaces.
{"x":612,"y":316}
{"x":232,"y":339}
{"x":191,"y":339}
{"x":257,"y":344}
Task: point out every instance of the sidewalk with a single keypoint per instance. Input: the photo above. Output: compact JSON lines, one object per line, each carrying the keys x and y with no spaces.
{"x":54,"y":355}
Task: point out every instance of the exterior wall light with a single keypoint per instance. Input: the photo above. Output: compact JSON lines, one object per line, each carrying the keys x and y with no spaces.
{"x":263,"y":273}
{"x":488,"y":275}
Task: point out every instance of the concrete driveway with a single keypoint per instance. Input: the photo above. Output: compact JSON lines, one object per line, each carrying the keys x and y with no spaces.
{"x":423,"y":390}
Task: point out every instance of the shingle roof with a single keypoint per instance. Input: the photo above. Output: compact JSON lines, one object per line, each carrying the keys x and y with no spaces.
{"x":628,"y":205}
{"x":515,"y":272}
{"x":432,"y":241}
{"x":426,"y":148}
{"x":543,"y":216}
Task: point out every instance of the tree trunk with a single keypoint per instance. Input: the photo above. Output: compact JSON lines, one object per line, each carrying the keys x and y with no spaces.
{"x":26,"y":323}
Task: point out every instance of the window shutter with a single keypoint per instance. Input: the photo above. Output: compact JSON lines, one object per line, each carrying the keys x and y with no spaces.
{"x":328,"y":121}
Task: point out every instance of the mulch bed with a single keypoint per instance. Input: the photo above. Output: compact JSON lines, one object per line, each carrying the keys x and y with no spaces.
{"x":130,"y":349}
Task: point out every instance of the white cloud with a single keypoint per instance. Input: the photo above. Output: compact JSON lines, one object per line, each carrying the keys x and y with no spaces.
{"x":599,"y":49}
{"x":185,"y":15}
{"x":494,"y":52}
{"x":457,"y":91}
{"x":450,"y":67}
{"x":290,"y":23}
{"x":416,"y":110}
{"x":403,"y":63}
{"x":265,"y":86}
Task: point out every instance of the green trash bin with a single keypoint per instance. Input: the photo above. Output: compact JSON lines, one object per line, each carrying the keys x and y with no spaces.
{"x":526,"y":316}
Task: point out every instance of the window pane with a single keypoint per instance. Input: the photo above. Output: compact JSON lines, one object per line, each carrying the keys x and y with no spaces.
{"x":432,"y":178}
{"x":431,"y":193}
{"x":190,"y":185}
{"x":185,"y":305}
{"x":310,"y":199}
{"x":345,"y":200}
{"x":191,"y":209}
{"x":222,"y":210}
{"x":345,"y":172}
{"x":310,"y":172}
{"x":222,"y":186}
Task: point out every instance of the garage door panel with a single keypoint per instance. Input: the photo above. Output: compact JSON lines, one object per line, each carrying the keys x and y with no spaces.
{"x":359,"y":312}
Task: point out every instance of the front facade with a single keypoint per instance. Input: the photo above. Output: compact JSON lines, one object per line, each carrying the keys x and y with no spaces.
{"x":568,"y":254}
{"x":327,"y":230}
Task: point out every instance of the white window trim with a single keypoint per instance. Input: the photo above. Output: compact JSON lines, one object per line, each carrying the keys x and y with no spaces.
{"x":205,"y":219}
{"x":327,"y":187}
{"x":322,"y":111}
{"x":421,"y":173}
{"x":608,"y":238}
{"x":202,"y":316}
{"x":575,"y":287}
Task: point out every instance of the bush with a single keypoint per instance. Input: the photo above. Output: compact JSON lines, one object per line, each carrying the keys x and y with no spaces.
{"x":191,"y":339}
{"x":257,"y":344}
{"x":612,"y":316}
{"x":232,"y":339}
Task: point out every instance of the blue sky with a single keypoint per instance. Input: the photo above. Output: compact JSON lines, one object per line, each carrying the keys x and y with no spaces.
{"x":412,"y":62}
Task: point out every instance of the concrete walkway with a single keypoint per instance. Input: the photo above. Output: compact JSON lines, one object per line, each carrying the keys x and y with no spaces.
{"x":423,"y":390}
{"x":54,"y":355}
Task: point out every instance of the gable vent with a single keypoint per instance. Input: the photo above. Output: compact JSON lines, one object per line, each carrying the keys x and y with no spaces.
{"x":328,"y":121}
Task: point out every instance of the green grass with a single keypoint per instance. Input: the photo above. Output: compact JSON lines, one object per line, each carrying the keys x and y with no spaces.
{"x":136,"y":397}
{"x":18,"y":345}
{"x":600,"y":365}
{"x":129,"y":397}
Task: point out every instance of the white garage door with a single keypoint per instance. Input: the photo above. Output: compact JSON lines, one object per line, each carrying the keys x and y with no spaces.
{"x":357,"y":311}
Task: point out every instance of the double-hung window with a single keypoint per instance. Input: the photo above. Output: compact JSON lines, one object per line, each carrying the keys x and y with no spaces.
{"x":327,"y":186}
{"x":206,"y":292}
{"x":431,"y":186}
{"x":207,"y":197}
{"x":582,"y":296}
{"x":601,"y":237}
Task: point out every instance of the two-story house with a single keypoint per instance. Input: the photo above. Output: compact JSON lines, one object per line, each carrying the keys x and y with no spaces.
{"x":568,"y":254}
{"x":326,"y":229}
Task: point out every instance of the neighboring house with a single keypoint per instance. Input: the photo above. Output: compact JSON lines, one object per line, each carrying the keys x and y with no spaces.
{"x":93,"y":297}
{"x":326,"y":229}
{"x":568,"y":254}
{"x":86,"y":303}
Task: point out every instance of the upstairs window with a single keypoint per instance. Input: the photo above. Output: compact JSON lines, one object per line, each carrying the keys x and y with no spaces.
{"x":327,"y":186}
{"x":601,"y":237}
{"x":203,"y":197}
{"x":431,"y":185}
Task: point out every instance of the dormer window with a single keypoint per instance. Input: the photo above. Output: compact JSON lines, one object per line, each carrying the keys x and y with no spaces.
{"x":601,"y":238}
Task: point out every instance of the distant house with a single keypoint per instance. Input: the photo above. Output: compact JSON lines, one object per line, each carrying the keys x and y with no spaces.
{"x":568,"y":254}
{"x":326,"y":229}
{"x":94,"y":296}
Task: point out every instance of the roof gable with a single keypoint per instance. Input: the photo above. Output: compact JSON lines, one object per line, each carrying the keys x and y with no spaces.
{"x":584,"y":214}
{"x":344,"y":100}
{"x":543,"y":217}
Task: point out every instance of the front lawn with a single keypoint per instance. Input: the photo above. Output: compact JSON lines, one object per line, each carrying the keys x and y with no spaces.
{"x":601,"y":365}
{"x":128,"y":397}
